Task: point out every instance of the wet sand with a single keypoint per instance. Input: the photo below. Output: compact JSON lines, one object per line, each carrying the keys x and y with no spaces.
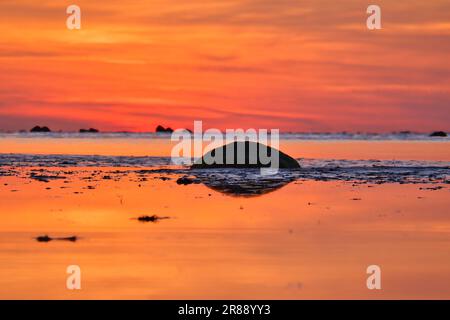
{"x":308,"y":239}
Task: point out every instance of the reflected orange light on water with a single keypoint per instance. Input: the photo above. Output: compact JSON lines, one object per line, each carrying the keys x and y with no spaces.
{"x":305,"y":240}
{"x":322,"y":149}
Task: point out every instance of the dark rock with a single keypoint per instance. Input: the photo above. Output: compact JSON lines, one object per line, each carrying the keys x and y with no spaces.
{"x":90,"y":130}
{"x":40,"y":129}
{"x":438,"y":134}
{"x":285,"y":161}
{"x":161,"y":129}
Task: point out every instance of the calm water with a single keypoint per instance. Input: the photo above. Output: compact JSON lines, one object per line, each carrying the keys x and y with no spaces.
{"x":230,"y":234}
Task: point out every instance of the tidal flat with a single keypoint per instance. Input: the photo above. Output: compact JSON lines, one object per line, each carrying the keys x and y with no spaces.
{"x":309,"y":233}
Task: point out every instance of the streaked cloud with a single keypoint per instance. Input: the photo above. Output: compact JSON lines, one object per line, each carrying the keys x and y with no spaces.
{"x":297,"y":65}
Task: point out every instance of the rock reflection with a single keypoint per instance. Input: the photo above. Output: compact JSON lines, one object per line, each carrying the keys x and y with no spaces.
{"x":241,"y":182}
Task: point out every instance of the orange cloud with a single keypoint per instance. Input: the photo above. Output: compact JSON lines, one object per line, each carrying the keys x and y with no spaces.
{"x":293,"y":65}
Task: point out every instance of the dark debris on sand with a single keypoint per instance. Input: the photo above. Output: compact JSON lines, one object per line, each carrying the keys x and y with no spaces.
{"x":153,"y":218}
{"x":45,"y":178}
{"x":186,"y":180}
{"x":432,"y":188}
{"x":46,"y":238}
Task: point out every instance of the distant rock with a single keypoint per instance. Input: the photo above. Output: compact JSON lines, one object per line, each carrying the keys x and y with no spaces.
{"x":90,"y":130}
{"x":285,"y":161}
{"x":161,"y":129}
{"x":40,"y":129}
{"x":438,"y":134}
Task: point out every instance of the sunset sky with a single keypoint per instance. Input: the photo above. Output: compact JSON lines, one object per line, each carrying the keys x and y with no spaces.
{"x":288,"y":64}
